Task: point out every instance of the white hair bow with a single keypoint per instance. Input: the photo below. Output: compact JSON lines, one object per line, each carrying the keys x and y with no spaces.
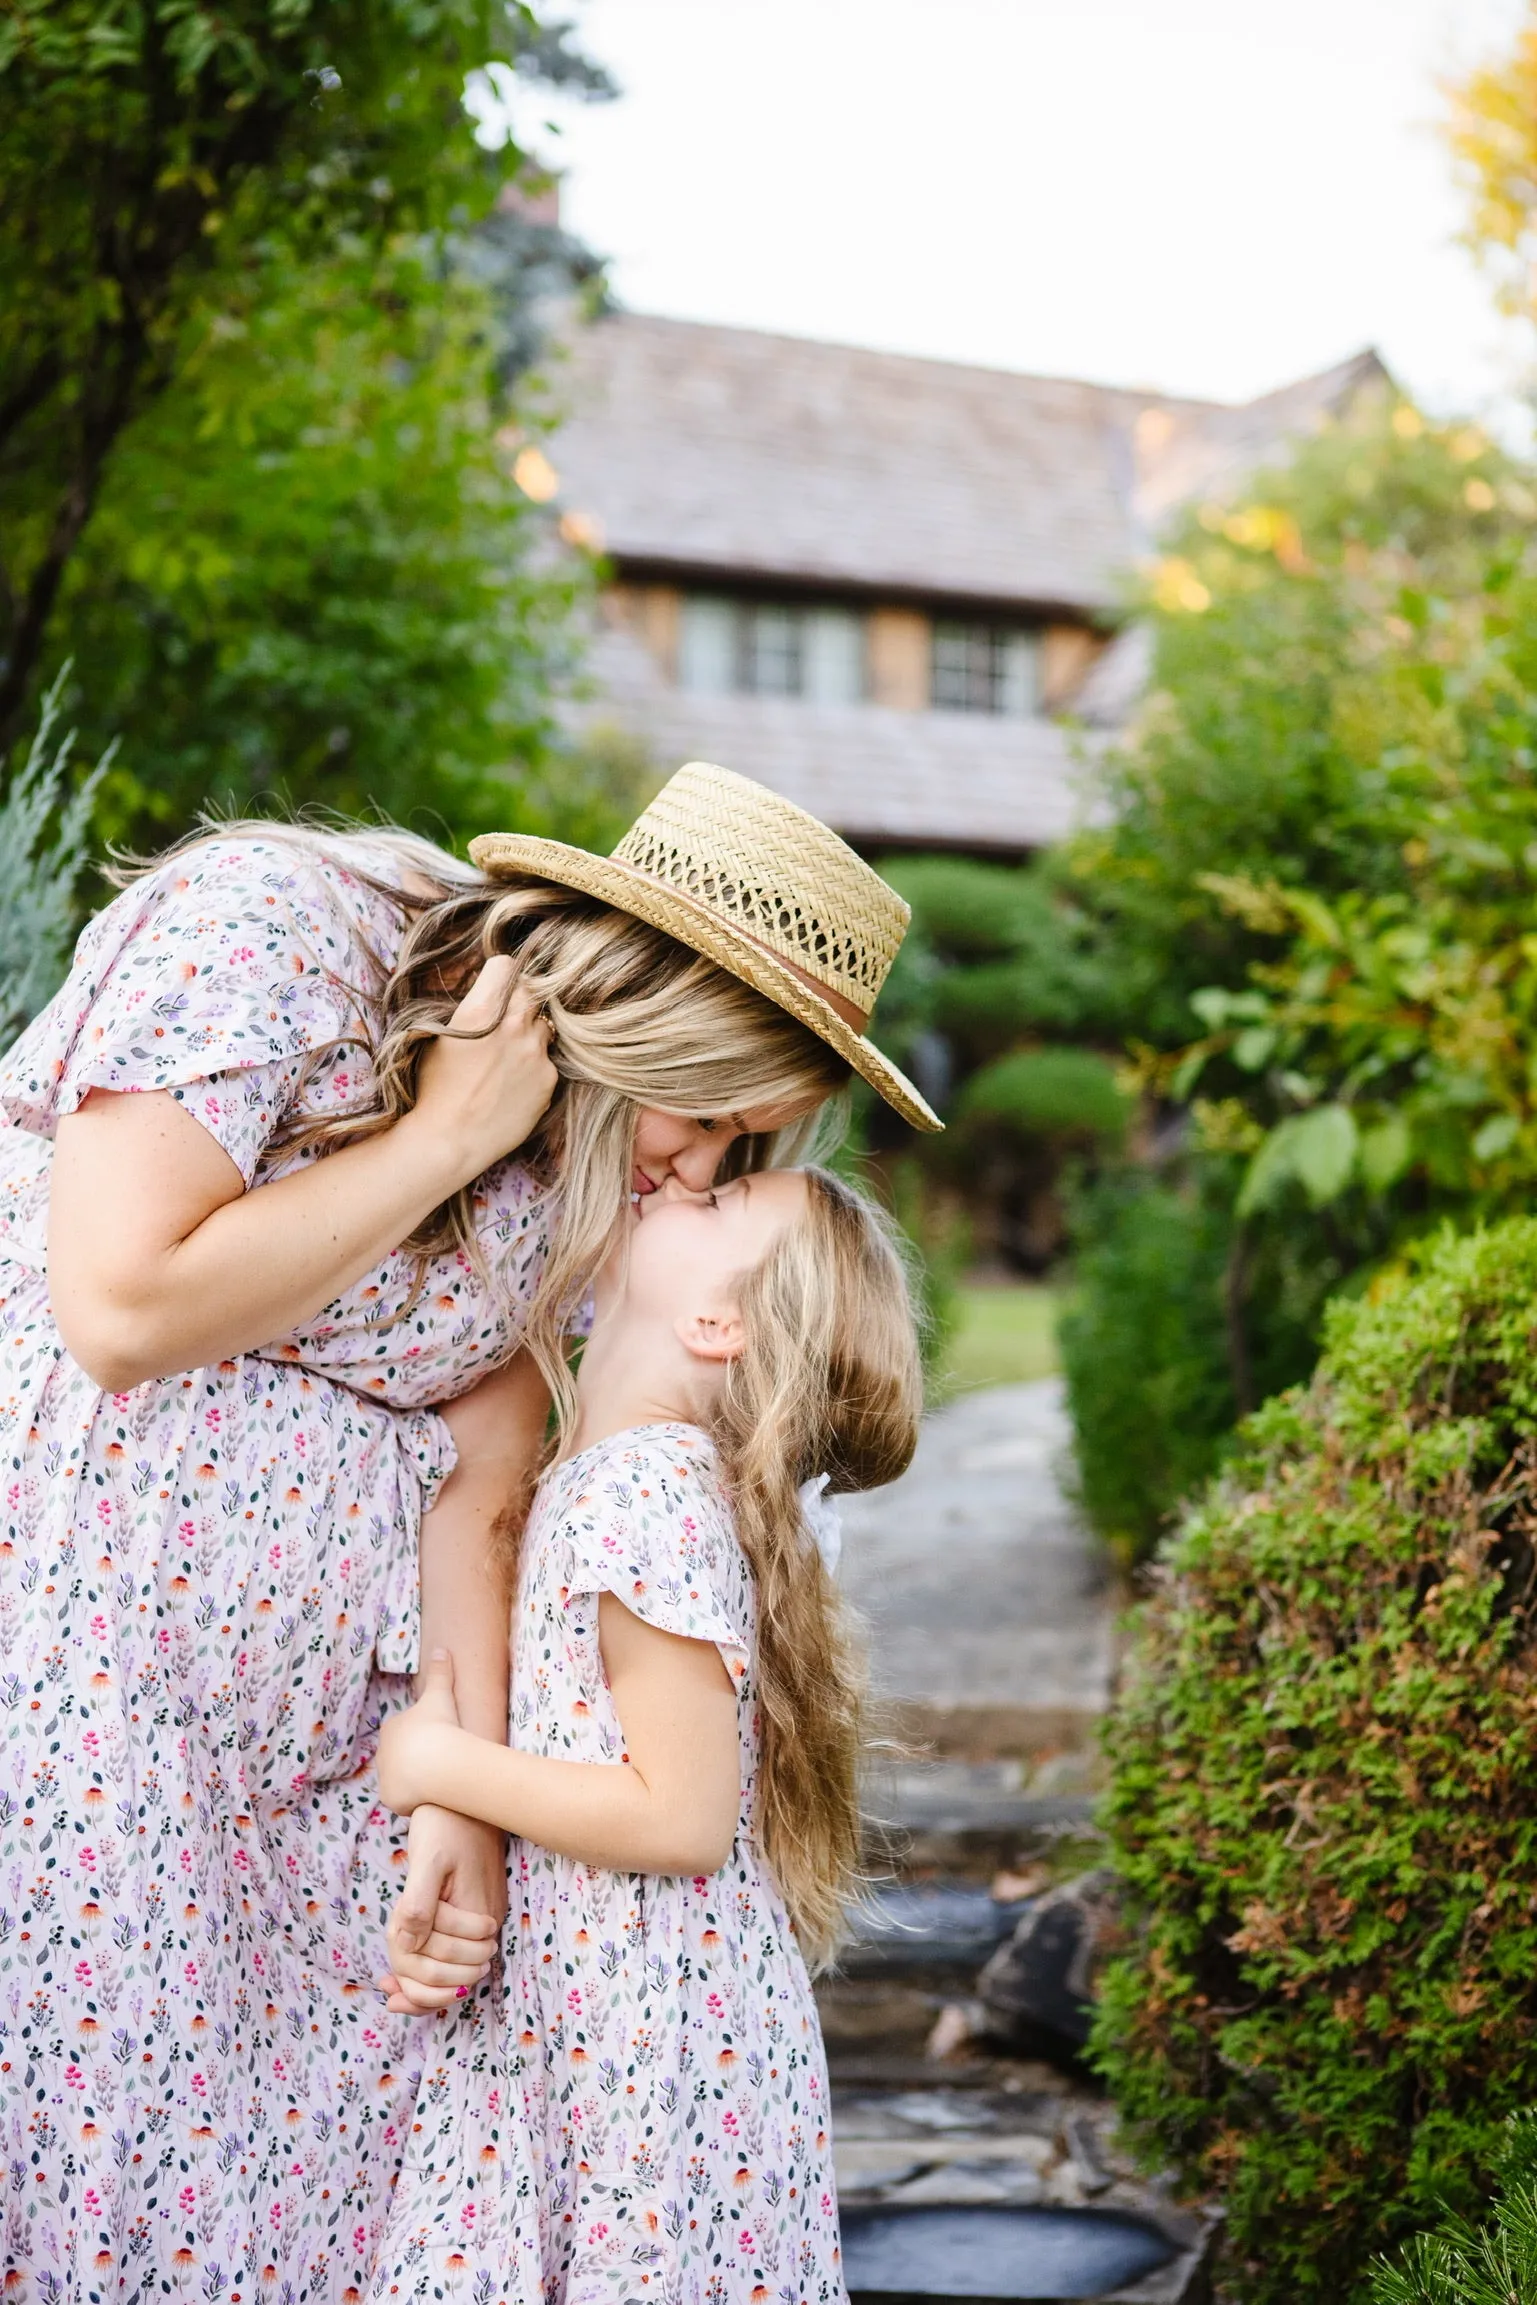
{"x":824,"y":1523}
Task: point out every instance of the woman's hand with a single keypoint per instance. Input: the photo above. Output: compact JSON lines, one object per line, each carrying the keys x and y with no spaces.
{"x":486,"y":1094}
{"x":442,"y":1935}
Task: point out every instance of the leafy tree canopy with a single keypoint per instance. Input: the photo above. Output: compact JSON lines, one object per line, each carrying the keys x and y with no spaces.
{"x":262,"y":296}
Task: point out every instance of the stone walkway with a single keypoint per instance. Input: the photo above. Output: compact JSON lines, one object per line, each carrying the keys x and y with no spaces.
{"x":992,"y":1613}
{"x":991,"y":1607}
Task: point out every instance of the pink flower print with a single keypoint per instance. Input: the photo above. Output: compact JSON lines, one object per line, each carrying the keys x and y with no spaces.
{"x":188,"y":2199}
{"x":74,"y":2079}
{"x":83,"y":1976}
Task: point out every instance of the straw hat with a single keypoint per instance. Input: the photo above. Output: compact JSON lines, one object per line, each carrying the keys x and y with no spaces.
{"x":759,"y":887}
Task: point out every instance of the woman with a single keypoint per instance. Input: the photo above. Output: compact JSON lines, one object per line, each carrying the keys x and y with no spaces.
{"x":277,"y":1220}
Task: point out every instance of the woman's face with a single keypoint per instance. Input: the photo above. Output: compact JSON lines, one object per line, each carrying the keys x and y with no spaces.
{"x":669,"y":1145}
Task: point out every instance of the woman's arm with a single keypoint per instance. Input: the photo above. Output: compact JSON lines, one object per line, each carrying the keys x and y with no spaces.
{"x":672,"y":1807}
{"x":159,"y":1260}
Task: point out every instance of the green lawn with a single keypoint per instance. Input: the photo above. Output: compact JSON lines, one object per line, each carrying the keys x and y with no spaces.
{"x":1005,"y":1333}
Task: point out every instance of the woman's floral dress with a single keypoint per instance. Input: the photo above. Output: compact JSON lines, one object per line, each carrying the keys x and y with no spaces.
{"x":207,"y":1590}
{"x":657,"y":2036}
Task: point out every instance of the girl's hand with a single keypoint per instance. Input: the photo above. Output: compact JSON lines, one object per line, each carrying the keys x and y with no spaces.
{"x":443,"y":1933}
{"x":486,"y":1095}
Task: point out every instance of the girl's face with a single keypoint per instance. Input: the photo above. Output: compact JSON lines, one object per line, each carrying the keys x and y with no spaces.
{"x":668,"y":1146}
{"x":685,"y":1253}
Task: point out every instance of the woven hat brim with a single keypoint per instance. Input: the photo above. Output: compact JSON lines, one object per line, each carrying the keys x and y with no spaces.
{"x":704,"y":931}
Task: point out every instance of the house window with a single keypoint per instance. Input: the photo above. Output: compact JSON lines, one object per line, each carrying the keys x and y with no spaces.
{"x":770,"y":648}
{"x":985,"y":668}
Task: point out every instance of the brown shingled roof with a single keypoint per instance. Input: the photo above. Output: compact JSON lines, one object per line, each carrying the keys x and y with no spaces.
{"x":726,"y":450}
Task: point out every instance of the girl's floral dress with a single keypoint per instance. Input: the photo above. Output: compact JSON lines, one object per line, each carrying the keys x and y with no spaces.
{"x":207,"y":1590}
{"x":656,"y":2037}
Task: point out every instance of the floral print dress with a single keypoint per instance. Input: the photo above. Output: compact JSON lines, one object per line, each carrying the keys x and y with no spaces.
{"x":656,"y":2038}
{"x":207,"y":1591}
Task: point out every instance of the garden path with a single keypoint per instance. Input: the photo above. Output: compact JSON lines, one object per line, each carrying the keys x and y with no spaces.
{"x":991,"y":1605}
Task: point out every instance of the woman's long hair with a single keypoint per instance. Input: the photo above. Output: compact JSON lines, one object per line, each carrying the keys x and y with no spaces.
{"x":828,"y":1381}
{"x":638,"y":1020}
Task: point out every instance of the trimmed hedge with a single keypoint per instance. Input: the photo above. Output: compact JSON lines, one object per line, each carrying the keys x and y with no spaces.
{"x":1323,"y":1798}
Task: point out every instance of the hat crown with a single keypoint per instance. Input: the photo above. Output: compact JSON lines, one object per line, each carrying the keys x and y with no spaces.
{"x":780,"y":876}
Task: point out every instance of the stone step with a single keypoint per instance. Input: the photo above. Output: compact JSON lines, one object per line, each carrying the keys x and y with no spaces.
{"x":918,"y":1929}
{"x":908,"y":2160}
{"x":973,"y":1819}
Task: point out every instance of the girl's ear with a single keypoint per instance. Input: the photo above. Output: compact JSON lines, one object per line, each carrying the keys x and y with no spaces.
{"x":711,"y":1336}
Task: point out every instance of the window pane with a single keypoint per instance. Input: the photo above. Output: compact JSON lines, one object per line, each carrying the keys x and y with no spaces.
{"x":773,"y":651}
{"x":833,"y":656}
{"x":963,"y":668}
{"x":1018,"y":666}
{"x":985,"y":668}
{"x":707,"y":645}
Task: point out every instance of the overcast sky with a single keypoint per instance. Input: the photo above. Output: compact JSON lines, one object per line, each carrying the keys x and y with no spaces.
{"x":1211,"y":196}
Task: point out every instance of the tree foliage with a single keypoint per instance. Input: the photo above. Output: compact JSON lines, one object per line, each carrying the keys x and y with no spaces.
{"x":310,"y":578}
{"x":263,"y":299}
{"x":1324,"y":1795}
{"x":1317,"y":865}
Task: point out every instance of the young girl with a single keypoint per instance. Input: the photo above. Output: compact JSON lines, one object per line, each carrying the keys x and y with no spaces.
{"x":682,"y":1776}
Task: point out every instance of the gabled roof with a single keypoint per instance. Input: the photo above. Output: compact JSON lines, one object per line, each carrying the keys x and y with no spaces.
{"x":730,"y":452}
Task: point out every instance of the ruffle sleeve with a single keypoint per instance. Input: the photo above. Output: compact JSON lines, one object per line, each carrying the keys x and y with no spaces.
{"x":219,"y":977}
{"x":652,"y":1526}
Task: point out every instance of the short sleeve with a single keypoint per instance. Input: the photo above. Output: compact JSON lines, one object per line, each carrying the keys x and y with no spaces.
{"x":652,"y":1527}
{"x":218,"y":977}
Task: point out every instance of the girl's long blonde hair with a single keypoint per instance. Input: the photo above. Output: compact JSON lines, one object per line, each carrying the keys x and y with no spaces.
{"x":639,"y":1020}
{"x":828,"y":1381}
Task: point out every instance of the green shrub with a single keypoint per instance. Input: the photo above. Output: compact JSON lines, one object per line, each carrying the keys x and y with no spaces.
{"x":1464,"y":2264}
{"x":1323,"y":1796}
{"x":1143,"y":1352}
{"x":45,"y":823}
{"x":1167,"y":1332}
{"x":1048,"y":1092}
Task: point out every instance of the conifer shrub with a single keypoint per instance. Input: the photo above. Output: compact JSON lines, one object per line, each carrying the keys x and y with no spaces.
{"x":1323,"y":1799}
{"x":1463,"y":2262}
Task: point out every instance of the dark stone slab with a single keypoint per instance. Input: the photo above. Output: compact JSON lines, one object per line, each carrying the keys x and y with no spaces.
{"x":928,"y":1926}
{"x":900,"y":2256}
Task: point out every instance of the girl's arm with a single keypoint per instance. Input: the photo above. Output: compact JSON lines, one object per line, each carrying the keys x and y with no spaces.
{"x":442,"y":1931}
{"x":159,"y":1260}
{"x":671,"y":1807}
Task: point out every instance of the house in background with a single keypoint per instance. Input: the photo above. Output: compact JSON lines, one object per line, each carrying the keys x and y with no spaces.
{"x":887,"y":587}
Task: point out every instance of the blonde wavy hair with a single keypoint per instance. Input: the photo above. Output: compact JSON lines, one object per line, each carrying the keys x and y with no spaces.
{"x":828,"y":1381}
{"x":639,"y":1020}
